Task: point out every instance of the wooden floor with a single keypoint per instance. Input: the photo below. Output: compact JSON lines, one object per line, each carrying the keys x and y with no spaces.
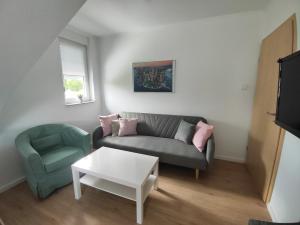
{"x":224,"y":196}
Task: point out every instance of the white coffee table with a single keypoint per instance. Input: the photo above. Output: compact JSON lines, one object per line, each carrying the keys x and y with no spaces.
{"x":126,"y":174}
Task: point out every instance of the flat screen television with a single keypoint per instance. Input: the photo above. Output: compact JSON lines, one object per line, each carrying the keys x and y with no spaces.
{"x":288,"y":98}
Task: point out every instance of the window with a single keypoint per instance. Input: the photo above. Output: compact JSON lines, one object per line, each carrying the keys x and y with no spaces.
{"x":75,"y":72}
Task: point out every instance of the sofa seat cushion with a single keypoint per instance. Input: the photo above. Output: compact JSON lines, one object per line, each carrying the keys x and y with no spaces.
{"x":168,"y":150}
{"x":61,"y":157}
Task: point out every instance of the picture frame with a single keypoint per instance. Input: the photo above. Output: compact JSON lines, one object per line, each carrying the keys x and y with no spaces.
{"x":153,"y":76}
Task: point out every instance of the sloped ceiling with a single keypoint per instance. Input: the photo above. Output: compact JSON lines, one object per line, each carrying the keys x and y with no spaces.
{"x":104,"y":17}
{"x":27,"y":29}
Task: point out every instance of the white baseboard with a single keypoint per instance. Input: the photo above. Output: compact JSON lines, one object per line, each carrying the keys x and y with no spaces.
{"x":11,"y":184}
{"x":272,"y":212}
{"x":229,"y":158}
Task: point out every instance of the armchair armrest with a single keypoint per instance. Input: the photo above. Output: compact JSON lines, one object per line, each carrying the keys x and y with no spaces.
{"x":210,"y":150}
{"x":30,"y":156}
{"x":97,"y":134}
{"x":74,"y":136}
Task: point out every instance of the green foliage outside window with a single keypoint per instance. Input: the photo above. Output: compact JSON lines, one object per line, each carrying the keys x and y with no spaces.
{"x":73,"y":85}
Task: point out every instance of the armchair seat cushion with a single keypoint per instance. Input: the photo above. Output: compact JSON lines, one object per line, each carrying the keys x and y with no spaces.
{"x":61,"y":157}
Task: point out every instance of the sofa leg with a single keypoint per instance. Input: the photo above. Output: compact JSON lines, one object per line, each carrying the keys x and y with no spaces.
{"x":197,"y":174}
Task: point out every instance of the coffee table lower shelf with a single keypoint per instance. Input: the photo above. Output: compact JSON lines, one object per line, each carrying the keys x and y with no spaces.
{"x":118,"y":189}
{"x":131,"y":176}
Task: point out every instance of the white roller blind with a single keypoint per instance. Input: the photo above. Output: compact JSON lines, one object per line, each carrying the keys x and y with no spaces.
{"x":73,"y":57}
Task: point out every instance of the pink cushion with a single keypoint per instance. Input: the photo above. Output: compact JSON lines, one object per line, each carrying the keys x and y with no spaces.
{"x":105,"y":122}
{"x":127,"y":127}
{"x":203,"y":132}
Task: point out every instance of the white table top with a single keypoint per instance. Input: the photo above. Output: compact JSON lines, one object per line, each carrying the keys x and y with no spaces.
{"x":127,"y":168}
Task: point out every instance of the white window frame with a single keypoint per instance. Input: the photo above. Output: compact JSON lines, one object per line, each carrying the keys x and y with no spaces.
{"x":87,"y":89}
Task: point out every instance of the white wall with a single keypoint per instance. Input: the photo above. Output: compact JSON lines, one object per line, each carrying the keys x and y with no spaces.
{"x":39,"y":98}
{"x":215,"y":59}
{"x":277,"y":12}
{"x":27,"y":29}
{"x":285,"y":201}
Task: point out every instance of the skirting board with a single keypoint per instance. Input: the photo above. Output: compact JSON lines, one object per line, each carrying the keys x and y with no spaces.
{"x":11,"y":184}
{"x":271,"y":212}
{"x":231,"y":159}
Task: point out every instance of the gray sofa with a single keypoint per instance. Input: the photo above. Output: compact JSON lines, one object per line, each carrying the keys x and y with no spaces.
{"x":156,"y":137}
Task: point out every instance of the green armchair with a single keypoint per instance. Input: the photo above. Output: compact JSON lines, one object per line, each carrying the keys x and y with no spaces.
{"x":48,"y":152}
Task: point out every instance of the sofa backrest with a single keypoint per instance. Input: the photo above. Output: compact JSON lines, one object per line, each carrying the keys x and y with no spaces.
{"x":159,"y":125}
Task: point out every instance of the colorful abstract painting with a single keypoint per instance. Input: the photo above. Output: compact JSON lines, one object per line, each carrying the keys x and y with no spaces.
{"x":154,"y":76}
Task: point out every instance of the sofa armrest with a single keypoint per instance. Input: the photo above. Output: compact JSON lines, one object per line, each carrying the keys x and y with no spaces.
{"x":97,"y":134}
{"x":30,"y":156}
{"x":210,"y":150}
{"x":74,"y":136}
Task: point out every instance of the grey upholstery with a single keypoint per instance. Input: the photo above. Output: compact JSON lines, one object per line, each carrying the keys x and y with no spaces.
{"x":210,"y":150}
{"x":185,"y":132}
{"x":156,"y":137}
{"x":159,"y":125}
{"x":168,"y":150}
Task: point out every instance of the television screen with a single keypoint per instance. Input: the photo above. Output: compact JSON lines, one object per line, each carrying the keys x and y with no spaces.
{"x":288,"y":102}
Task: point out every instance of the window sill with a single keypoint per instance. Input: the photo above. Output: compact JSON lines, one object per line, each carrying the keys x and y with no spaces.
{"x":80,"y":103}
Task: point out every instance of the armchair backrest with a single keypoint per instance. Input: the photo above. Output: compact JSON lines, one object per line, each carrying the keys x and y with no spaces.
{"x":45,"y":136}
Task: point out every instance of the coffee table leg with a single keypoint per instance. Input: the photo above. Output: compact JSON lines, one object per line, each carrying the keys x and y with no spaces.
{"x":156,"y":174}
{"x":139,"y":205}
{"x":76,"y":183}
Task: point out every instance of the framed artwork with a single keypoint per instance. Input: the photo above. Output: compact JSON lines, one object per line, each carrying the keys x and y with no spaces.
{"x":156,"y":76}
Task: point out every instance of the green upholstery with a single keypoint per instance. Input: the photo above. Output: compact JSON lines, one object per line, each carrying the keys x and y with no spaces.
{"x":44,"y":143}
{"x":58,"y":158}
{"x":48,"y":152}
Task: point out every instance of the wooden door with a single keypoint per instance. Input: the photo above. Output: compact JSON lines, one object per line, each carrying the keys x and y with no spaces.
{"x":265,"y":137}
